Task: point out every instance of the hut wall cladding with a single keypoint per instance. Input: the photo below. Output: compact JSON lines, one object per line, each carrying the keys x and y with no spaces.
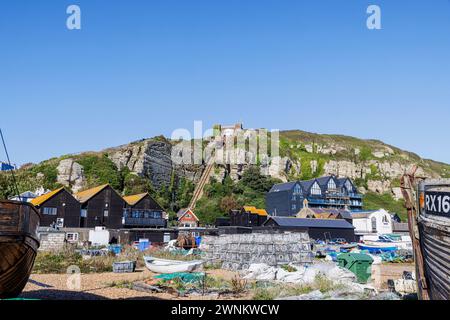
{"x":146,"y":204}
{"x":279,"y":204}
{"x":70,"y":211}
{"x":96,"y":207}
{"x":154,"y":236}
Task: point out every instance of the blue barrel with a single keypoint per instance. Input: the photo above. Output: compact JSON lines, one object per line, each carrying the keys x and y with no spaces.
{"x":143,"y":245}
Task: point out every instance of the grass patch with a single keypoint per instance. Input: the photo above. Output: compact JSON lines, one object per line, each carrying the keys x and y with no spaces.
{"x":374,"y":201}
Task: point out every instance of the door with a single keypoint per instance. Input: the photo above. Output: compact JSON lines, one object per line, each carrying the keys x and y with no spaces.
{"x":374,"y":224}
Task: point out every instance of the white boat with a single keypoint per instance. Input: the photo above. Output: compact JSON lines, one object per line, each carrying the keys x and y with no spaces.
{"x":171,"y":266}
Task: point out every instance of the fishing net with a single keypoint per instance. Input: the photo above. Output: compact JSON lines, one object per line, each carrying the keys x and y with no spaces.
{"x":183,"y":276}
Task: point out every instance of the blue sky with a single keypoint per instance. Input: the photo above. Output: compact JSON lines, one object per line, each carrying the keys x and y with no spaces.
{"x":143,"y":68}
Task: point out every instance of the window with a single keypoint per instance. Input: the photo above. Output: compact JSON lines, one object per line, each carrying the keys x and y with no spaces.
{"x":50,"y":211}
{"x":315,"y":190}
{"x":349,"y":186}
{"x":72,"y":236}
{"x":385,"y":220}
{"x":105,"y":213}
{"x":294,"y":198}
{"x":294,"y":207}
{"x":331,"y":185}
{"x":83,"y":213}
{"x":297,"y":190}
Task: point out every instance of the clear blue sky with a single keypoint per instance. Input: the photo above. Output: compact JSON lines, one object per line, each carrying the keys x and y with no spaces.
{"x":144,"y":68}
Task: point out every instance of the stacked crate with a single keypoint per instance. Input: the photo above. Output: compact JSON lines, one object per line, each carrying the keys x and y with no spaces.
{"x":239,"y":251}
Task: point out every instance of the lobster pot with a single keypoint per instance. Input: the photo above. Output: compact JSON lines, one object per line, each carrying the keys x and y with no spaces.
{"x":124,"y":267}
{"x":434,"y":230}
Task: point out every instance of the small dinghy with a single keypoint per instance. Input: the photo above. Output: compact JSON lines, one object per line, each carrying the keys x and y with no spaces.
{"x":171,"y":266}
{"x":377,"y":247}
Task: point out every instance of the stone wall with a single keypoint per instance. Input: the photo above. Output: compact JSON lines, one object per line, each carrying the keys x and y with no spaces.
{"x":238,"y":251}
{"x":52,"y":240}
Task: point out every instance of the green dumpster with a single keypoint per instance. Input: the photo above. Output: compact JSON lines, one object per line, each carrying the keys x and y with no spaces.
{"x":358,"y":263}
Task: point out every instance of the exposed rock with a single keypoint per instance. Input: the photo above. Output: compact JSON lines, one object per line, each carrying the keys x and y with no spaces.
{"x":378,"y":154}
{"x":314,"y":166}
{"x":397,"y":193}
{"x":153,"y":159}
{"x":276,"y":167}
{"x":70,"y":174}
{"x":379,"y":186}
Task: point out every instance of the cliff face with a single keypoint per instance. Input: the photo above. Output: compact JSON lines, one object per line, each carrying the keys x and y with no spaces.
{"x":152,"y":159}
{"x":373,"y":165}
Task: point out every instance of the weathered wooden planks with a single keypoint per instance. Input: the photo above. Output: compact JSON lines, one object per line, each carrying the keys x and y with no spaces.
{"x":18,"y":246}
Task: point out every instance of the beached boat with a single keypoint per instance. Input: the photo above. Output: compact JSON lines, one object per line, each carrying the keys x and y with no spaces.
{"x":18,"y":246}
{"x":171,"y":266}
{"x":377,"y":247}
{"x":434,"y":235}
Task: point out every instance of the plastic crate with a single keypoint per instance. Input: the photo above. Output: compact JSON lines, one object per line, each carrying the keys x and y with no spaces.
{"x":124,"y":267}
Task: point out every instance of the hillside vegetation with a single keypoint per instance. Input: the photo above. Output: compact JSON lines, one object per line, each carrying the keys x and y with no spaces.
{"x":375,"y":168}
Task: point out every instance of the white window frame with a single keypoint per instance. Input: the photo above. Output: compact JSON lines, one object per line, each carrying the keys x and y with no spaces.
{"x":74,"y":235}
{"x":315,"y":189}
{"x":331,"y":185}
{"x":50,"y":211}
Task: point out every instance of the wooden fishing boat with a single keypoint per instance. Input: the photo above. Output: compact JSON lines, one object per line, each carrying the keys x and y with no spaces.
{"x":434,"y":235}
{"x":171,"y":266}
{"x":18,"y":246}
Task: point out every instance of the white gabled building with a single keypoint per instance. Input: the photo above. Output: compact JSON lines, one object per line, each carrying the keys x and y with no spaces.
{"x":372,"y":222}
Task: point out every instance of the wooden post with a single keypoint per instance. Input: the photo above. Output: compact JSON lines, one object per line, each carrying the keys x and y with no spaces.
{"x":408,"y":187}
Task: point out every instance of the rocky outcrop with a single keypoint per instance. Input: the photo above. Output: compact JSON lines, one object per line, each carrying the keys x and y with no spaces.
{"x":70,"y":174}
{"x":152,"y":159}
{"x":379,"y":186}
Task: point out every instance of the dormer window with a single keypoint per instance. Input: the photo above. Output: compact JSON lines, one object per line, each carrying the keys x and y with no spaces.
{"x":297,"y":190}
{"x":315,"y":189}
{"x":331,"y":185}
{"x":349,"y":186}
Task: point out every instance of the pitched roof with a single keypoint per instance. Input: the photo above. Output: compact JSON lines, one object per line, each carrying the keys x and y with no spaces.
{"x":40,"y":200}
{"x":254,"y":210}
{"x":361,"y":215}
{"x":84,"y":196}
{"x":133,"y":199}
{"x":311,"y":223}
{"x":190,"y":212}
{"x":335,"y":212}
{"x":181,"y":212}
{"x":306,"y":185}
{"x":283,"y":186}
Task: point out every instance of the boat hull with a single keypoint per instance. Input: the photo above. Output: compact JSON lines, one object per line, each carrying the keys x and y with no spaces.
{"x":375,"y":249}
{"x":434,"y":234}
{"x":171,"y":266}
{"x":18,"y":246}
{"x":435,"y":244}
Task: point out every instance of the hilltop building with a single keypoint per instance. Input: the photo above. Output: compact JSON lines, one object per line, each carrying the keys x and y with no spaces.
{"x":287,"y":199}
